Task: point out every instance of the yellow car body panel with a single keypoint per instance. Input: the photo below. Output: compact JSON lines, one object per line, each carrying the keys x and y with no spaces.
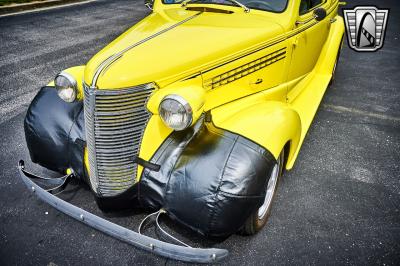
{"x":154,"y":135}
{"x":178,"y":52}
{"x":255,"y":116}
{"x":311,"y":89}
{"x":259,"y":74}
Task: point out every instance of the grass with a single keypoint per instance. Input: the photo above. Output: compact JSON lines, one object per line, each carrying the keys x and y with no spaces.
{"x":8,"y":2}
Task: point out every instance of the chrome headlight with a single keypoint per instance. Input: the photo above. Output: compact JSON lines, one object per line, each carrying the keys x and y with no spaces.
{"x":176,"y":112}
{"x":66,"y":86}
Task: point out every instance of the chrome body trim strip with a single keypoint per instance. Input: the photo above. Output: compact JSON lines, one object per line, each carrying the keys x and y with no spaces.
{"x":155,"y":246}
{"x":110,"y":60}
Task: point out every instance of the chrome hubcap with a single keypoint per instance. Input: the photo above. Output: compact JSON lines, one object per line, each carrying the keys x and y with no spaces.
{"x":270,"y":191}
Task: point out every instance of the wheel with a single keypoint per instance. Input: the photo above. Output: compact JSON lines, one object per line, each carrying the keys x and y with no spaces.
{"x":259,"y":218}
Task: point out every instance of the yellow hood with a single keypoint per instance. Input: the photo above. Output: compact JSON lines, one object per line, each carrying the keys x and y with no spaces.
{"x":168,"y":45}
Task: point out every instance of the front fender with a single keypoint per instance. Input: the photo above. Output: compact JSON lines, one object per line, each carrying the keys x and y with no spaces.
{"x":271,"y":124}
{"x":210,"y":180}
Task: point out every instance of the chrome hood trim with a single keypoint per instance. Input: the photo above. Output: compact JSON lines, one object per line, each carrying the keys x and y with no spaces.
{"x":110,"y":60}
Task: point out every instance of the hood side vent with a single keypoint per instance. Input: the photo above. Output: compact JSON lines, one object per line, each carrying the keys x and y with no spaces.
{"x":244,"y":70}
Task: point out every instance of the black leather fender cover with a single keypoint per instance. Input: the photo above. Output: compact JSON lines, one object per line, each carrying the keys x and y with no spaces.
{"x":210,"y":179}
{"x":55,"y":132}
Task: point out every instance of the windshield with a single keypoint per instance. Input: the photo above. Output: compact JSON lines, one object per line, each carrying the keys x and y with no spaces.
{"x":267,"y":5}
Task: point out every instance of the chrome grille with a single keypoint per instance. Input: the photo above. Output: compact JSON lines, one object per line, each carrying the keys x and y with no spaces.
{"x":115,"y":121}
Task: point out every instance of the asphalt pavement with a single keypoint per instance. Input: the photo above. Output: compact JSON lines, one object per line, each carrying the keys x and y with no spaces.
{"x":339,"y":205}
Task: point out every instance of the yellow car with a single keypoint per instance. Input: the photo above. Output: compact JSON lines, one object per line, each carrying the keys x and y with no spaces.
{"x":193,"y":113}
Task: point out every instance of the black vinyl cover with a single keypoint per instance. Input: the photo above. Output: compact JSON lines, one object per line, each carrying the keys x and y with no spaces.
{"x":55,"y":135}
{"x":210,"y":180}
{"x":55,"y":132}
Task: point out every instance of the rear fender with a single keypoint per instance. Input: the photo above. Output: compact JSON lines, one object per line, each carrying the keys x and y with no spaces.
{"x":270,"y":124}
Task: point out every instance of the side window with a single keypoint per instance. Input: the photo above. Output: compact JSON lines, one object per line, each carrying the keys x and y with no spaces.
{"x":306,"y":5}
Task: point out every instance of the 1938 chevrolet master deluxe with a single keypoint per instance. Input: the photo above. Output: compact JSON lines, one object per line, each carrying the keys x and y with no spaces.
{"x":194,"y":113}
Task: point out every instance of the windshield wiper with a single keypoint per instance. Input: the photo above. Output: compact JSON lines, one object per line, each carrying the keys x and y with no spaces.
{"x":245,"y":8}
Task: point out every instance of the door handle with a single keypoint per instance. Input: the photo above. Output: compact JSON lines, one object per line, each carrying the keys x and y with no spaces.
{"x":258,"y":81}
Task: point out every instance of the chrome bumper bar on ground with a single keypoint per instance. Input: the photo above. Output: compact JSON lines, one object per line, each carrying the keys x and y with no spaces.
{"x":143,"y":242}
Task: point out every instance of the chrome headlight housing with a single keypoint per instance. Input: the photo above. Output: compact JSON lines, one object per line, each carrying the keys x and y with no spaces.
{"x":176,"y":112}
{"x":66,"y":86}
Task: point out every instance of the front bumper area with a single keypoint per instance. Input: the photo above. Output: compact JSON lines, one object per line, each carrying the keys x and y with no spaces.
{"x":168,"y":250}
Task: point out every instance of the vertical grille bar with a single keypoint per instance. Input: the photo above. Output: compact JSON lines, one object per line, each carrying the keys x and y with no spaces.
{"x":115,"y":121}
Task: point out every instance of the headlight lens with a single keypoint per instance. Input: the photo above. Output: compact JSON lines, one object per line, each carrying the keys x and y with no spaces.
{"x":66,"y":87}
{"x":176,"y":112}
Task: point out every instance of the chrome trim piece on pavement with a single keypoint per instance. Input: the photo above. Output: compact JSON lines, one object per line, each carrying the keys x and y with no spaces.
{"x":168,"y":250}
